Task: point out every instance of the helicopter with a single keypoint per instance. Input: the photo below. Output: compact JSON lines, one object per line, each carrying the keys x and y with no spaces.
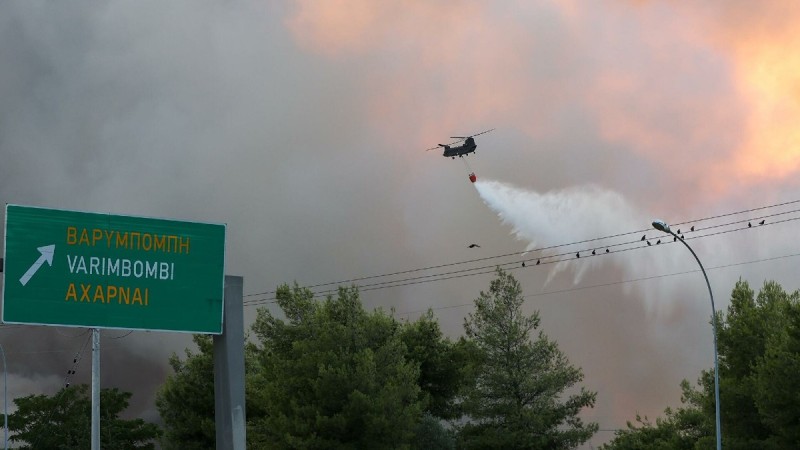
{"x":466,"y":148}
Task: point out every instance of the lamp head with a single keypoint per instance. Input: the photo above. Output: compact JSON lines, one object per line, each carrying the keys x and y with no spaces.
{"x":660,"y":225}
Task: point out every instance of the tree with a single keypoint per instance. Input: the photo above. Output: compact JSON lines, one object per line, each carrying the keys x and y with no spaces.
{"x":441,"y":365}
{"x":777,"y":381}
{"x":333,"y":376}
{"x":430,"y":434}
{"x":186,"y":399}
{"x":517,"y":400}
{"x":759,"y":354}
{"x":686,"y":428}
{"x":63,"y":420}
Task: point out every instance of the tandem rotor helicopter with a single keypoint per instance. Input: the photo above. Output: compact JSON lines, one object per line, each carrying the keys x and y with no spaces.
{"x":466,"y":148}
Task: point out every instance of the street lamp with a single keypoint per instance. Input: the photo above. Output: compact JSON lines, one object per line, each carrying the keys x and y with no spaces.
{"x":660,"y":225}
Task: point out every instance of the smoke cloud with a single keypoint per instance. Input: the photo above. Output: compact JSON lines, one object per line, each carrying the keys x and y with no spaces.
{"x":302,"y":125}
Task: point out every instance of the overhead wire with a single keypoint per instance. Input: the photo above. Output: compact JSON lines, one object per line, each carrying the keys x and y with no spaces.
{"x":75,"y":361}
{"x":489,"y":269}
{"x":396,"y":283}
{"x":551,"y":247}
{"x":121,"y":336}
{"x":614,"y":283}
{"x":546,"y":259}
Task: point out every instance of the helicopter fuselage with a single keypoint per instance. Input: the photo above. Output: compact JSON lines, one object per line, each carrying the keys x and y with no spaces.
{"x":468,"y":147}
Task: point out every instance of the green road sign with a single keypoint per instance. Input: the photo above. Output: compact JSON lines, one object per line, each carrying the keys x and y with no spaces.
{"x":83,"y":269}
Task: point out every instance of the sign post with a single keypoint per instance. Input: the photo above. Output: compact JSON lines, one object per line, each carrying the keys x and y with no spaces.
{"x":95,"y":270}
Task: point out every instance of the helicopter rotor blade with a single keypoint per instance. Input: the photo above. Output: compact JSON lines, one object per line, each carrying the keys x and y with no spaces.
{"x":473,"y":135}
{"x":460,"y":139}
{"x":456,"y":142}
{"x":483,"y":132}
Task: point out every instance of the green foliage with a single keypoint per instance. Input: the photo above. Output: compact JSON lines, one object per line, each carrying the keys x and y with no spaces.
{"x":328,"y":374}
{"x":517,"y":399}
{"x":334,"y":376}
{"x":743,"y":337}
{"x":776,"y":381}
{"x":63,"y":421}
{"x":687,"y":428}
{"x":186,"y":400}
{"x":441,"y":364}
{"x":430,"y":434}
{"x":759,"y":353}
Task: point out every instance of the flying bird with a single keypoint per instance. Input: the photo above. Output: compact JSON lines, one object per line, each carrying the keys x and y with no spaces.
{"x":762,"y":222}
{"x":474,"y":245}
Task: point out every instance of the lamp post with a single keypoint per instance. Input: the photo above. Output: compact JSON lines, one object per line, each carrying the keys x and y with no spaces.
{"x":662,"y":226}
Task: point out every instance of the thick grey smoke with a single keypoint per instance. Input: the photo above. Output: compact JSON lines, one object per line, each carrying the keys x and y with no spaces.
{"x":193,"y":111}
{"x":303,"y":128}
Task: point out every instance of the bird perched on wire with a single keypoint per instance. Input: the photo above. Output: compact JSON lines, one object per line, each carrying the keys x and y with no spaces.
{"x":762,"y":222}
{"x":473,"y":246}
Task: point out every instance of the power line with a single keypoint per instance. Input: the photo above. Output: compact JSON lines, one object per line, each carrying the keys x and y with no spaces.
{"x":543,"y":260}
{"x":614,"y":283}
{"x":403,"y":272}
{"x":122,"y":336}
{"x":76,"y":360}
{"x":490,"y":268}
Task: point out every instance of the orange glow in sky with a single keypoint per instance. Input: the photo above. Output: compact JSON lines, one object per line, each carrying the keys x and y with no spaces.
{"x":769,"y":71}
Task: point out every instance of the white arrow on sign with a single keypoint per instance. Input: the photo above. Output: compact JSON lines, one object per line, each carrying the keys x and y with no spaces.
{"x":47,"y":253}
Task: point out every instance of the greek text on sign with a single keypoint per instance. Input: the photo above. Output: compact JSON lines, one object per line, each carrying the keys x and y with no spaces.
{"x":100,"y":270}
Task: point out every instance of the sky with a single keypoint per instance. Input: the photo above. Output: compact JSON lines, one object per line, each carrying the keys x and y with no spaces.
{"x":303,"y":125}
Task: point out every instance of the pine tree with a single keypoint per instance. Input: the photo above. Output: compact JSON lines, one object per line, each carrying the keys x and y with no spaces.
{"x":517,"y":400}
